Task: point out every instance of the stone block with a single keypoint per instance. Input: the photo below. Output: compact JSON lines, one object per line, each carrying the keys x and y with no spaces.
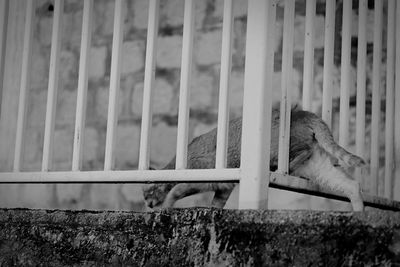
{"x":66,"y":107}
{"x":39,"y":73}
{"x":169,"y":51}
{"x":72,"y":29}
{"x":163,"y":95}
{"x":163,"y":144}
{"x":207,"y":48}
{"x":103,"y":20}
{"x":140,"y":14}
{"x":133,"y":59}
{"x":236,"y":93}
{"x":33,"y":143}
{"x":239,"y":8}
{"x":69,"y":69}
{"x":63,"y":145}
{"x":203,"y":91}
{"x":127,"y":146}
{"x":102,"y":99}
{"x":90,"y":143}
{"x":36,"y":107}
{"x":44,"y":30}
{"x":172,"y":11}
{"x":97,"y":62}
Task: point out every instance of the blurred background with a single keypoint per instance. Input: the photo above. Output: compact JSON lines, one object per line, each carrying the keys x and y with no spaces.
{"x":203,"y":100}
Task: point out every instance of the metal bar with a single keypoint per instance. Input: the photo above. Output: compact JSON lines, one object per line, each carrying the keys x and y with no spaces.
{"x":80,"y":117}
{"x":376,"y":99}
{"x":287,"y":66}
{"x":115,"y":72}
{"x":299,"y":185}
{"x":149,"y":74}
{"x":256,"y":131}
{"x":223,"y":106}
{"x":25,"y":83}
{"x":396,"y":193}
{"x":361,"y":85}
{"x":328,"y":62}
{"x":389,"y":121}
{"x":308,"y":73}
{"x":184,"y":92}
{"x":345,"y":75}
{"x":53,"y":85}
{"x":131,"y":176}
{"x":4,"y":10}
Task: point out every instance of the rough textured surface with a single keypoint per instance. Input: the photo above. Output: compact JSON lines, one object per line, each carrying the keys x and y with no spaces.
{"x":197,"y":237}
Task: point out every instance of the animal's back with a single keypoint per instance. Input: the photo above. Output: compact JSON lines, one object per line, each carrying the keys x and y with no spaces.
{"x":311,"y":150}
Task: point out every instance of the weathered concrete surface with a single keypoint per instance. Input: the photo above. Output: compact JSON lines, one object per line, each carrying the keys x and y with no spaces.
{"x":198,"y":237}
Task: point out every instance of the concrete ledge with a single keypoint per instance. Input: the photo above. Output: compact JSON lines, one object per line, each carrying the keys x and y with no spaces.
{"x":197,"y":237}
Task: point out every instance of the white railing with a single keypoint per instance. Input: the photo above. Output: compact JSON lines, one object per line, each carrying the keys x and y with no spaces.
{"x":254,"y":171}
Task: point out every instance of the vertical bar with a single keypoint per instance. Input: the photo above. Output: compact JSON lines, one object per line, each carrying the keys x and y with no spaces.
{"x":308,"y":73}
{"x":397,"y":107}
{"x":361,"y":84}
{"x":345,"y":75}
{"x":3,"y":37}
{"x":80,"y":117}
{"x":11,"y":81}
{"x":389,"y":122}
{"x":184,"y":92}
{"x":53,"y":85}
{"x":287,"y":65}
{"x":24,"y":86}
{"x":112,"y":118}
{"x":328,"y":61}
{"x":223,"y":107}
{"x":149,"y":74}
{"x":376,"y":104}
{"x":256,"y":131}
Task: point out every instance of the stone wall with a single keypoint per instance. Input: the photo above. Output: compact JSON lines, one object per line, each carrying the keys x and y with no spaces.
{"x":199,"y":237}
{"x":204,"y":93}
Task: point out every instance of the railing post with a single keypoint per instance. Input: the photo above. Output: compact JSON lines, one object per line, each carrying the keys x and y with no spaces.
{"x":256,"y":134}
{"x":396,"y":182}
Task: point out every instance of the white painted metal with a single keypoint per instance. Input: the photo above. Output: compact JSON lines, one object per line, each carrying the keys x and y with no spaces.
{"x":149,"y":74}
{"x":287,"y":66}
{"x":376,"y":98}
{"x":223,"y":107}
{"x":133,"y":176}
{"x":389,"y":118}
{"x":361,"y":84}
{"x":25,"y":83}
{"x":80,"y":116}
{"x":396,"y":193}
{"x":308,"y":73}
{"x":113,"y":107}
{"x":345,"y":75}
{"x":256,"y":133}
{"x":327,"y":85}
{"x":53,"y":85}
{"x":4,"y":6}
{"x":184,"y":92}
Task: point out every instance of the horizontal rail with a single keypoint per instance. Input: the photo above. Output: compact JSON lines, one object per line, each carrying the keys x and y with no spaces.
{"x":304,"y":186}
{"x":131,"y":176}
{"x":277,"y":180}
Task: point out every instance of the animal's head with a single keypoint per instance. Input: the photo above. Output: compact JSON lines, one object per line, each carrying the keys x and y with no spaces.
{"x":155,"y":194}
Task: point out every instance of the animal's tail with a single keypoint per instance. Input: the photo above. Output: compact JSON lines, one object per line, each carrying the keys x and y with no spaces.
{"x":325,"y":139}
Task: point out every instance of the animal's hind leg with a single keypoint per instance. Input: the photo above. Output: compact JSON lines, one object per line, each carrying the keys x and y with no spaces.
{"x":222,"y":193}
{"x":321,"y":169}
{"x":183,"y":190}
